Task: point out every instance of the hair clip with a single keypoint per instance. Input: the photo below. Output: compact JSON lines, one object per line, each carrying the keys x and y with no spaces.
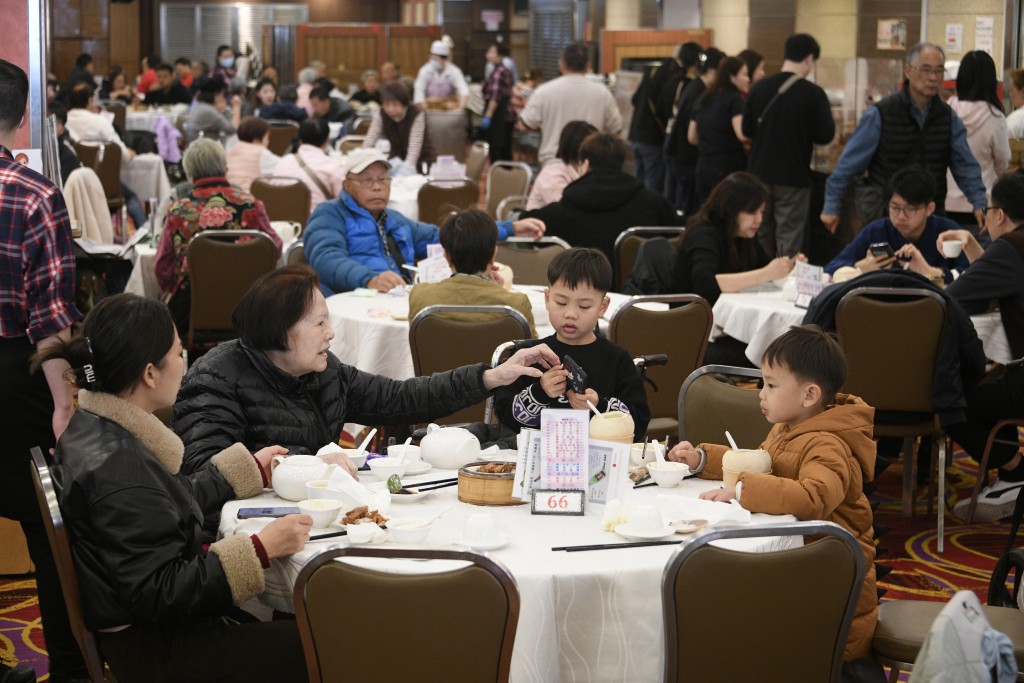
{"x":90,"y":374}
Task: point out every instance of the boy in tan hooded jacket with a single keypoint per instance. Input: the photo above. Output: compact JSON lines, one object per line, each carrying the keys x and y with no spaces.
{"x":822,"y":452}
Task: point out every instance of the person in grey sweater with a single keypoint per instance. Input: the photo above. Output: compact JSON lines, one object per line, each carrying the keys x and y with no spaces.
{"x":207,"y":117}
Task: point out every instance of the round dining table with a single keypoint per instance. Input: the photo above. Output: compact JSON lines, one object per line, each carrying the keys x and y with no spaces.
{"x":584,"y":616}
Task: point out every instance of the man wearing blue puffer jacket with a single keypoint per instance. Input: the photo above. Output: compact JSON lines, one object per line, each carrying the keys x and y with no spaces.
{"x":353,"y":241}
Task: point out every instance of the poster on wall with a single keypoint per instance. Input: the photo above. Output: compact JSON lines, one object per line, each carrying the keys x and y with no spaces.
{"x":954,"y":38}
{"x":892,"y":34}
{"x":984,"y":34}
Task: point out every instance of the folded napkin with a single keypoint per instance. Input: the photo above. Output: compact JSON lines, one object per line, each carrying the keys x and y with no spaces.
{"x":679,"y":507}
{"x":344,"y":487}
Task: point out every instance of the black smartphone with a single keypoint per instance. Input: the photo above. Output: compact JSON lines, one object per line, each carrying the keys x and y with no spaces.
{"x":577,"y":380}
{"x":881,"y":249}
{"x":249,"y":513}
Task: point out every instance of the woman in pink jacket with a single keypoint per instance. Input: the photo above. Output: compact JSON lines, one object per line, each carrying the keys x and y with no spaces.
{"x":977,"y":104}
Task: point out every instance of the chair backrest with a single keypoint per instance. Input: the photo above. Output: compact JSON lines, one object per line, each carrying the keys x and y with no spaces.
{"x":505,"y":179}
{"x":474,"y":605}
{"x":723,"y":624}
{"x":708,"y":406}
{"x":513,"y":204}
{"x":120,"y":113}
{"x":529,"y":258}
{"x":362,"y":125}
{"x":477,"y":159}
{"x":447,"y":133}
{"x":285,"y":198}
{"x":445,"y":337}
{"x":349,"y":143}
{"x":105,"y":159}
{"x":61,"y":547}
{"x":295,"y":254}
{"x":629,"y":241}
{"x":500,"y":355}
{"x":222,"y":264}
{"x":438,"y":197}
{"x":681,"y":332}
{"x":889,"y":333}
{"x":282,"y":132}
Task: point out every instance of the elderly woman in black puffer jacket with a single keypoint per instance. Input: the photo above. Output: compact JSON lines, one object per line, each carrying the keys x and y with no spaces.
{"x":279,"y":384}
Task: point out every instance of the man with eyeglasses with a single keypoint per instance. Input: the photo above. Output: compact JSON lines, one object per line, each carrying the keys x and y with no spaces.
{"x":911,"y":126}
{"x":355,"y":241}
{"x":910,"y":230}
{"x":996,"y":274}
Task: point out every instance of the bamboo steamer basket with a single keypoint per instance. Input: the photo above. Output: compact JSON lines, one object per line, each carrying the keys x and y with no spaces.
{"x":486,"y":488}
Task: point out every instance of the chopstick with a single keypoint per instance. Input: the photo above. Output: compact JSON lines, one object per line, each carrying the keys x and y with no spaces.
{"x":645,"y":483}
{"x":417,"y":484}
{"x":613,"y":546}
{"x":432,"y":488}
{"x":333,"y":534}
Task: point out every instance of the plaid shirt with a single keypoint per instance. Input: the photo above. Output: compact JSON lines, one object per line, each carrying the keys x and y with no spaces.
{"x":37,"y":268}
{"x":498,"y":86}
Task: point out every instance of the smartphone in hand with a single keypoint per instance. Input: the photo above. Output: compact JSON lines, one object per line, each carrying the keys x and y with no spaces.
{"x":577,"y":380}
{"x":881,"y":250}
{"x":250,"y":513}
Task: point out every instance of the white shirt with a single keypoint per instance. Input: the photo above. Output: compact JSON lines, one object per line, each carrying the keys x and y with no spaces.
{"x":451,"y":73}
{"x":572,"y":97}
{"x":85,"y":126}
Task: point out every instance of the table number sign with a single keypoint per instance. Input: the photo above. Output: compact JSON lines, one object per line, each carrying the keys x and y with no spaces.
{"x":556,"y":502}
{"x":608,"y":463}
{"x":809,"y":283}
{"x":564,"y":449}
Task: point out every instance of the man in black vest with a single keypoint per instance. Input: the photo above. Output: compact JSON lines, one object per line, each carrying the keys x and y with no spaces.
{"x":913,"y":126}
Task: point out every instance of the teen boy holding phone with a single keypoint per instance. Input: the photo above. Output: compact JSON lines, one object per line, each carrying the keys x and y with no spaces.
{"x":910,"y":231}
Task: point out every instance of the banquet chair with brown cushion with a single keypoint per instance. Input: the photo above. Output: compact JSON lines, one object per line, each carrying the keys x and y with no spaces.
{"x":120,"y":113}
{"x":506,"y":178}
{"x":285,"y":199}
{"x":792,"y":622}
{"x":681,"y":333}
{"x":295,"y":254}
{"x":529,"y":258}
{"x":282,"y":133}
{"x":349,"y":143}
{"x":354,"y":619}
{"x":476,"y":160}
{"x":61,"y":547}
{"x":445,"y":337}
{"x":891,"y":339}
{"x":362,"y":124}
{"x":439,"y":197}
{"x":709,"y":405}
{"x":105,"y":159}
{"x":222,"y":264}
{"x":628,"y":243}
{"x":509,"y":208}
{"x":983,"y":467}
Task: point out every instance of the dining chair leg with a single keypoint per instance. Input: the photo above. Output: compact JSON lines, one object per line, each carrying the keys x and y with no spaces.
{"x":909,"y":476}
{"x":941,"y":438}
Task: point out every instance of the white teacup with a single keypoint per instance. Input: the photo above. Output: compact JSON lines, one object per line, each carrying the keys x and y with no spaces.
{"x":322,"y":510}
{"x":646,"y":518}
{"x":952,"y":248}
{"x":412,"y":453}
{"x":317,"y":489}
{"x":480,"y":529}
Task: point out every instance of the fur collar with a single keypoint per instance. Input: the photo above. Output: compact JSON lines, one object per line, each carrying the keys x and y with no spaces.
{"x":164,"y":444}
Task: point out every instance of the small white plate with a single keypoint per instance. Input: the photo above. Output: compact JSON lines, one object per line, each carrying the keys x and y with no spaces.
{"x":418,"y":468}
{"x":409,"y":497}
{"x":631,"y":534}
{"x":500,"y":542}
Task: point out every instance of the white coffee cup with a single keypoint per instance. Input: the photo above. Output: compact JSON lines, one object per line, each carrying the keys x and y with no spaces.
{"x":317,"y":489}
{"x":646,"y":518}
{"x":480,"y":529}
{"x":412,"y":453}
{"x":952,"y":248}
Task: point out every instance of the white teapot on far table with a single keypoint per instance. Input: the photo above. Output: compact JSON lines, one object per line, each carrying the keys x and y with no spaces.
{"x":291,"y":474}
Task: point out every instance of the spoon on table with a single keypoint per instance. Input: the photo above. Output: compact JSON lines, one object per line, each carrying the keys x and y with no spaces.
{"x":732,"y":441}
{"x":401,"y":458}
{"x":366,"y":442}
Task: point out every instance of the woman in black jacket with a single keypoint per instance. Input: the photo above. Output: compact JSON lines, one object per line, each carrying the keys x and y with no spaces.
{"x":162,"y":607}
{"x":279,"y":383}
{"x":716,"y":126}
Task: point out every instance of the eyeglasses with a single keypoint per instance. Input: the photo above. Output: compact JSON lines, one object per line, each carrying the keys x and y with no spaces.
{"x":906,"y":211}
{"x":928,"y":71}
{"x":992,"y":208}
{"x":383,"y":181}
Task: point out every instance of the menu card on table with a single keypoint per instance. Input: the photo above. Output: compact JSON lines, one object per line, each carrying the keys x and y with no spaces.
{"x":609,"y":470}
{"x":527,"y":464}
{"x":809,"y":283}
{"x":564,"y":449}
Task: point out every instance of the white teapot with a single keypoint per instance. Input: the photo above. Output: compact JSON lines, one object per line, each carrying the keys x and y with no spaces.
{"x":291,"y":474}
{"x":449,"y":448}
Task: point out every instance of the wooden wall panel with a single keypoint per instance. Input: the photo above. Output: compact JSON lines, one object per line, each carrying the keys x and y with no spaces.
{"x":867,"y":26}
{"x":409,"y":46}
{"x":95,"y":18}
{"x":646,"y":43}
{"x":771,"y":22}
{"x":125,"y":47}
{"x":66,"y":19}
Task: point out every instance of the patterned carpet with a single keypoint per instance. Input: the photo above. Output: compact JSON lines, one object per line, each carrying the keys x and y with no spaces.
{"x":918,"y":570}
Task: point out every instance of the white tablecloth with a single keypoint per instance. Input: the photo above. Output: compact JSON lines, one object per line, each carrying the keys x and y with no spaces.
{"x":586,"y":616}
{"x":147,"y":177}
{"x":372,"y":333}
{"x":758,"y":318}
{"x":144,"y":120}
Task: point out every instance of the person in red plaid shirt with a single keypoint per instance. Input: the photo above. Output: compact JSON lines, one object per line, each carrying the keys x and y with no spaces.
{"x":499,"y":118}
{"x":37,"y":292}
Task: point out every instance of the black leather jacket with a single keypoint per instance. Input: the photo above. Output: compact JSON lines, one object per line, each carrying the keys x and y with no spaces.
{"x":236,"y":394}
{"x":136,"y":527}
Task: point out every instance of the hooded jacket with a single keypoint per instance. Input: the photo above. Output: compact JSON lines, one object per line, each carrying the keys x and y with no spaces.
{"x":818,"y":472}
{"x":236,"y":394}
{"x":601,"y":204}
{"x":136,"y":521}
{"x":988,"y":138}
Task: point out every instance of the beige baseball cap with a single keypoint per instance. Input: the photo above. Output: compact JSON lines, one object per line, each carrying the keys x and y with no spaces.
{"x":359,"y":160}
{"x":439,"y":48}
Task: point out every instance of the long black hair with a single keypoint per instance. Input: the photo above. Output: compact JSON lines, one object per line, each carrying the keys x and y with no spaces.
{"x":976,"y":80}
{"x":737,"y":193}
